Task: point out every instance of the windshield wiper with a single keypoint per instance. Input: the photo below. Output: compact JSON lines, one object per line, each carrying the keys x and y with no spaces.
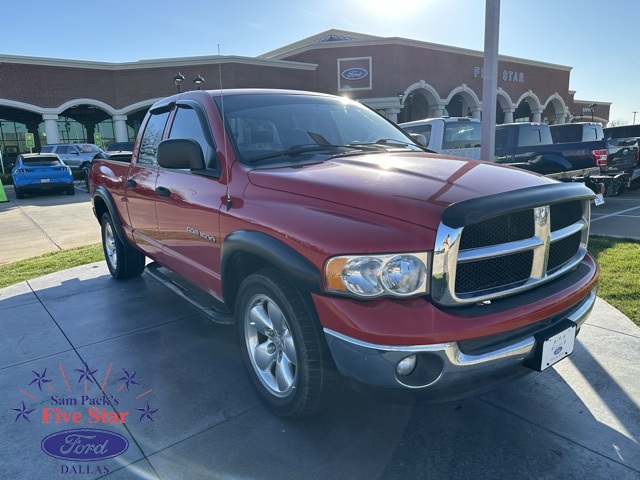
{"x":389,"y":142}
{"x":296,"y":150}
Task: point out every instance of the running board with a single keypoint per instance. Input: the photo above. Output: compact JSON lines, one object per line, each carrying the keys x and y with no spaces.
{"x":203,"y":301}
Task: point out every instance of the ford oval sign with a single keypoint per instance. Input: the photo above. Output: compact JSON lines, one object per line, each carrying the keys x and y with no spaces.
{"x":84,"y":445}
{"x":354,"y":74}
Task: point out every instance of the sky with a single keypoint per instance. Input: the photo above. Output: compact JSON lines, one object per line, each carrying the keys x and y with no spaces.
{"x":598,"y":39}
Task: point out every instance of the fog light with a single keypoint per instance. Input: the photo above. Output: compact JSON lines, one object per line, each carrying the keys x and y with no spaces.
{"x":406,"y":365}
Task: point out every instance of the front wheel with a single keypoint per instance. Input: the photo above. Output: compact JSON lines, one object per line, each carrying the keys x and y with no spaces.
{"x":19,"y":193}
{"x":123,"y":260}
{"x":283,"y":347}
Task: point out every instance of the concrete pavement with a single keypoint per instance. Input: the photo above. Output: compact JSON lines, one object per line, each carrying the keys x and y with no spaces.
{"x":45,"y":223}
{"x":78,"y":340}
{"x":79,"y":334}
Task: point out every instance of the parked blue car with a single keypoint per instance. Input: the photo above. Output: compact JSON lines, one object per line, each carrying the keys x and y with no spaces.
{"x":41,"y":172}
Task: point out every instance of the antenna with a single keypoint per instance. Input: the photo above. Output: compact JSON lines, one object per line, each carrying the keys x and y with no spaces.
{"x":224,"y":131}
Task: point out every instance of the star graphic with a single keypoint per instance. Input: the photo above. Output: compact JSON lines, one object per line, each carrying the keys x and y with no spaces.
{"x":40,"y":378}
{"x":128,"y":378}
{"x":23,"y":412}
{"x":85,"y":373}
{"x":146,"y":412}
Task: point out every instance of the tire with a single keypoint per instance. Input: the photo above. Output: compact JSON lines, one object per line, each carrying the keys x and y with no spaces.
{"x":283,"y":348}
{"x":86,"y":178}
{"x":123,"y":260}
{"x":19,"y":193}
{"x":71,"y":190}
{"x":635,"y":184}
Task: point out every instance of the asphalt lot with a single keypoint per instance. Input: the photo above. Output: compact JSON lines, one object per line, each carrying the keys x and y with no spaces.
{"x":80,"y":335}
{"x":618,"y":217}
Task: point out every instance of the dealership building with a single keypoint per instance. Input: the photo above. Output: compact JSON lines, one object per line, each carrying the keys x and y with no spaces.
{"x":70,"y":101}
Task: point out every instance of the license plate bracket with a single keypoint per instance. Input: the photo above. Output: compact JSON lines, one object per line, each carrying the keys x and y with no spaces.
{"x":553,"y":345}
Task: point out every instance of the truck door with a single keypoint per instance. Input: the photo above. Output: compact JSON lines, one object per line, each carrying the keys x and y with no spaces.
{"x":502,"y":146}
{"x":188,"y":204}
{"x":141,"y":184}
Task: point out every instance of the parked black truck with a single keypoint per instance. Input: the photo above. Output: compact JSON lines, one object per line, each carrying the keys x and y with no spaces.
{"x":602,"y":167}
{"x":625,"y":132}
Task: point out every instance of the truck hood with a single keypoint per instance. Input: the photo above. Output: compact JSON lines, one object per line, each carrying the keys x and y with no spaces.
{"x":413,"y":187}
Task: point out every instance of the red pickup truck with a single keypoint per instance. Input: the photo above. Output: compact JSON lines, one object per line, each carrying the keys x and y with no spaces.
{"x":345,"y":252}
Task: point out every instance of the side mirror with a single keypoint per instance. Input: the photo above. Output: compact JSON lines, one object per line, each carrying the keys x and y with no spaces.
{"x":180,"y":153}
{"x":421,"y":139}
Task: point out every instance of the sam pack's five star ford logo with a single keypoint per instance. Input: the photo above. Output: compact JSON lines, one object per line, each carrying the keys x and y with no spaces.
{"x":56,"y":399}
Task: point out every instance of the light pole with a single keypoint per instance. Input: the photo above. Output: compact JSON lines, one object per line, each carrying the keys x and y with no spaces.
{"x":198,"y":80}
{"x":634,"y":117}
{"x":177,"y":80}
{"x":593,"y":107}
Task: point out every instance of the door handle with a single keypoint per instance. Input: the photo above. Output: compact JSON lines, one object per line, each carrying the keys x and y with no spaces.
{"x":163,"y":192}
{"x":132,"y":183}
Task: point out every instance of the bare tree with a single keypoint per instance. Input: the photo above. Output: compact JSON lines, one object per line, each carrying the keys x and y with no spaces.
{"x":617,"y":122}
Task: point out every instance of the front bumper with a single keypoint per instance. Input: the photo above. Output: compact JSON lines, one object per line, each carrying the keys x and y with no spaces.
{"x":444,"y":371}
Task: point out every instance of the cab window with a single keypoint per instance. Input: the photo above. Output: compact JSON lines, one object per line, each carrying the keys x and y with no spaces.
{"x":186,"y":124}
{"x":151,"y":138}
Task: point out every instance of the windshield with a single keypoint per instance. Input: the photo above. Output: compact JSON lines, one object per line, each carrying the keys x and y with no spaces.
{"x":291,"y":127}
{"x":88,"y":148}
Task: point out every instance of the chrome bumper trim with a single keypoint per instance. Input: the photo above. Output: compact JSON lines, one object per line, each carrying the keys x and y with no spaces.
{"x":375,"y":365}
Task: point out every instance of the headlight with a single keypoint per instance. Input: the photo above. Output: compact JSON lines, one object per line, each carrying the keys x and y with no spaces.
{"x":399,"y":275}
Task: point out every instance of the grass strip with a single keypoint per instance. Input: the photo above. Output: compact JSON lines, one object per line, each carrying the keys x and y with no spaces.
{"x":48,"y":263}
{"x":619,"y":280}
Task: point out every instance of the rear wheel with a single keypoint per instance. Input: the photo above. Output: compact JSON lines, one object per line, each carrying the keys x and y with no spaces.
{"x":71,"y":190}
{"x":283,"y":347}
{"x":123,"y":260}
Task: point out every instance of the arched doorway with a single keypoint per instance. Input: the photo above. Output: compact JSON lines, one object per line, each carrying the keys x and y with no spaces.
{"x":79,"y":123}
{"x":14,"y":124}
{"x":523,"y":112}
{"x":457,"y":107}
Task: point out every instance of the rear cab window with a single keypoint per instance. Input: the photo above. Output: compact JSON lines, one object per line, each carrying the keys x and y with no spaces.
{"x":461,"y":135}
{"x":41,"y":162}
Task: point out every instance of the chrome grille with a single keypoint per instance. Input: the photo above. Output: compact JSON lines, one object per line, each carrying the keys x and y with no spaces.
{"x":509,"y":252}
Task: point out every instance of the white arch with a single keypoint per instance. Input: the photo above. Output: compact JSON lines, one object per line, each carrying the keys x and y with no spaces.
{"x":137,"y":106}
{"x":466,"y":92}
{"x":23,"y":106}
{"x":78,"y":101}
{"x":557,"y":103}
{"x":430,"y":93}
{"x":504,"y":99}
{"x":86,"y":101}
{"x":530,"y":95}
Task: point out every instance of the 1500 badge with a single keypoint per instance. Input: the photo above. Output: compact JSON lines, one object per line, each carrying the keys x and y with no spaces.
{"x":198,"y":233}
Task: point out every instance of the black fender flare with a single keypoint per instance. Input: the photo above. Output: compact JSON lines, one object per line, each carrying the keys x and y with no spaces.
{"x":549,"y":163}
{"x":270,"y":251}
{"x":101,"y":193}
